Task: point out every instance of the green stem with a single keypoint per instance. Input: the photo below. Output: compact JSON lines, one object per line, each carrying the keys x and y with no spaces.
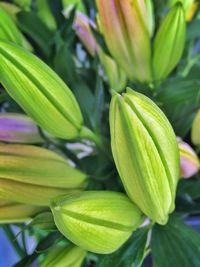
{"x":86,"y":133}
{"x":11,"y":237}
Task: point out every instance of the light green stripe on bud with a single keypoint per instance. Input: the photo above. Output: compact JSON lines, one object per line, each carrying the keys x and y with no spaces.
{"x":8,"y":29}
{"x":68,"y":256}
{"x":91,"y":218}
{"x":35,"y":175}
{"x":40,"y":92}
{"x":127,"y":36}
{"x":11,"y":212}
{"x":145,"y":152}
{"x":196,"y":129}
{"x":169,"y":42}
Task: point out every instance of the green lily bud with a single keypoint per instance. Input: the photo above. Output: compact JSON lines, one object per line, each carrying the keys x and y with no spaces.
{"x":169,"y":42}
{"x":40,"y":92}
{"x":190,"y":7}
{"x":149,"y":16}
{"x":8,"y":29}
{"x":196,"y":129}
{"x":68,"y":256}
{"x":35,"y":175}
{"x":190,"y":164}
{"x":11,"y":212}
{"x":91,"y":218}
{"x":45,"y":14}
{"x":127,"y":36}
{"x":145,"y":152}
{"x":18,"y":128}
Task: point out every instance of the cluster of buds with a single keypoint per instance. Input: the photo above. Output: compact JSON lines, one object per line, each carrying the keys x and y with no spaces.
{"x":127,"y":28}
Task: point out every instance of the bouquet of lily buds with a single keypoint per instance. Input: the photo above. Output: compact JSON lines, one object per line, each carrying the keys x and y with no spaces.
{"x":100,"y":131}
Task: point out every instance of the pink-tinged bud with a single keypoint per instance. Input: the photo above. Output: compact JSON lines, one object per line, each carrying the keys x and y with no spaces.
{"x":189,"y":161}
{"x":82,"y":27}
{"x":18,"y":128}
{"x":116,"y":76}
{"x":127,"y":36}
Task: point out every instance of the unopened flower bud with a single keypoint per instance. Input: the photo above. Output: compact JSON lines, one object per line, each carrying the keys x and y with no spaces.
{"x":196,"y":129}
{"x":127,"y":36}
{"x":64,"y":256}
{"x":18,"y":128}
{"x":169,"y":42}
{"x":13,"y":212}
{"x":189,"y":161}
{"x":146,"y":154}
{"x":91,"y":218}
{"x":40,"y":92}
{"x":35,"y":175}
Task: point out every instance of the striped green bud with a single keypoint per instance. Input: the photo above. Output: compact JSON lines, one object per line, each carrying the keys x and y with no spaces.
{"x":64,"y":256}
{"x":145,"y":152}
{"x":97,"y":221}
{"x":13,"y":212}
{"x":35,"y":175}
{"x":169,"y":42}
{"x":40,"y":92}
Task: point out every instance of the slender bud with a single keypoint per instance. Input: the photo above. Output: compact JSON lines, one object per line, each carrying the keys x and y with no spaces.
{"x":8,"y":29}
{"x":169,"y":42}
{"x":149,"y":16}
{"x":18,"y":128}
{"x":127,"y":36}
{"x":64,"y":256}
{"x":189,"y":161}
{"x":116,"y":76}
{"x":91,"y":218}
{"x":11,"y":212}
{"x":196,"y":129}
{"x":40,"y":92}
{"x":145,"y":152}
{"x":35,"y":175}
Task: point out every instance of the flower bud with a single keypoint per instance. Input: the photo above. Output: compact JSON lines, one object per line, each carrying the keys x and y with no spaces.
{"x":68,"y":256}
{"x":11,"y":212}
{"x":189,"y":161}
{"x":116,"y":76}
{"x":190,"y":7}
{"x":145,"y":152}
{"x":18,"y":128}
{"x":196,"y":129}
{"x":91,"y":219}
{"x":127,"y":36}
{"x":35,"y":175}
{"x":82,"y":26}
{"x":8,"y":29}
{"x":148,"y":16}
{"x":40,"y":92}
{"x":169,"y":42}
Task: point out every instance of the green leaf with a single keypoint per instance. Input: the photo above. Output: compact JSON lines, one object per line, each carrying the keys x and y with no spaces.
{"x":31,"y":25}
{"x":175,"y":244}
{"x":131,"y":254}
